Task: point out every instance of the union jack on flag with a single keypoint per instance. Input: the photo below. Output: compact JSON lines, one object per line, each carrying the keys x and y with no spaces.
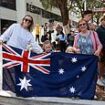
{"x":25,"y":59}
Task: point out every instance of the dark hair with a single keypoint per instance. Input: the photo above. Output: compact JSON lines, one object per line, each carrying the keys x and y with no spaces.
{"x":32,"y":22}
{"x":51,"y":20}
{"x":87,"y":12}
{"x":61,"y":32}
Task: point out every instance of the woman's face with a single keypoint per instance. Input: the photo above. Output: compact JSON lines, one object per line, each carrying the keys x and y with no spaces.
{"x":82,"y":26}
{"x":27,"y":21}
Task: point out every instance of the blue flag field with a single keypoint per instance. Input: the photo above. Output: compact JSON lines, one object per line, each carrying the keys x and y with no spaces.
{"x":54,"y":74}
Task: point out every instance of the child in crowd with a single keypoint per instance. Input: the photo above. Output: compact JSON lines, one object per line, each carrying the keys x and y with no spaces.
{"x":71,"y":49}
{"x":47,"y":46}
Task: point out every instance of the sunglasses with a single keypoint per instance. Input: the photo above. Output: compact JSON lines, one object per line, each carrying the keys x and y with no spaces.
{"x":28,"y":20}
{"x":84,"y":24}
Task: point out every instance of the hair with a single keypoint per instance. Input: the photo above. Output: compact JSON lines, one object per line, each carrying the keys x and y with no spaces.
{"x":102,"y":18}
{"x":46,"y":42}
{"x":32,"y":23}
{"x":87,"y":12}
{"x":69,"y":49}
{"x":61,"y":32}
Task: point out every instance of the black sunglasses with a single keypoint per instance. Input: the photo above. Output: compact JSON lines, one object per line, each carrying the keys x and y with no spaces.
{"x":28,"y":20}
{"x":82,"y":24}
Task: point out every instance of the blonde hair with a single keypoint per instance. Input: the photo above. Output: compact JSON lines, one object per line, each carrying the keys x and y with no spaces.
{"x":70,"y":49}
{"x":46,"y":42}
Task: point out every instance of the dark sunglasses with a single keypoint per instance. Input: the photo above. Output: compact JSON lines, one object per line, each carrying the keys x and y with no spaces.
{"x":84,"y":24}
{"x":28,"y":20}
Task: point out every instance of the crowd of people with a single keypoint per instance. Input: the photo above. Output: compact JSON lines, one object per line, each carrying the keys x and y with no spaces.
{"x":88,"y":40}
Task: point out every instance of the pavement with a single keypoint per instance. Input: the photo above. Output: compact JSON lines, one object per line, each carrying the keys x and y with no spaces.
{"x":46,"y":101}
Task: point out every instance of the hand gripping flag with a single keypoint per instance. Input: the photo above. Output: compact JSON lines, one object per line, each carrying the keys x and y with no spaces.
{"x":49,"y":74}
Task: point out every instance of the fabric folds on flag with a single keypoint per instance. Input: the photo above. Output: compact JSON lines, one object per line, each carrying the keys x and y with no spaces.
{"x":49,"y":74}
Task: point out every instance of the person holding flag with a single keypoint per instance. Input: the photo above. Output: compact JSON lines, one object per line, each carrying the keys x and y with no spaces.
{"x":87,"y":41}
{"x":19,"y":35}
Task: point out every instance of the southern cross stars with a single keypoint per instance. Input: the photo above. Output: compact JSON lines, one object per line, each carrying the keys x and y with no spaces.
{"x":24,"y":83}
{"x":72,"y":89}
{"x":83,"y":69}
{"x":61,"y":71}
{"x":74,"y":60}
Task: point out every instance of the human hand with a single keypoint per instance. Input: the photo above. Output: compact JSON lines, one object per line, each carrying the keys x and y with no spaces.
{"x":76,"y":50}
{"x":97,"y":53}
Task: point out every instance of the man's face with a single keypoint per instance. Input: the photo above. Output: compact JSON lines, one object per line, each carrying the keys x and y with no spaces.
{"x":87,"y":17}
{"x":103,"y":22}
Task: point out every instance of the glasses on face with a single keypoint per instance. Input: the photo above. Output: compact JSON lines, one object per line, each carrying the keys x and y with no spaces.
{"x":28,"y":20}
{"x":84,"y":24}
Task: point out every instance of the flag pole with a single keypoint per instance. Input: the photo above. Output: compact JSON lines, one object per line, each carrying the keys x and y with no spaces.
{"x":0,"y":67}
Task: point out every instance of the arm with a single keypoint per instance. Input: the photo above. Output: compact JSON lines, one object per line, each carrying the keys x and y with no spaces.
{"x":99,"y":45}
{"x":75,"y":41}
{"x":35,"y":47}
{"x":75,"y":46}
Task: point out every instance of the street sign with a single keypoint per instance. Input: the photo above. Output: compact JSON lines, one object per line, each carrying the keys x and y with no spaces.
{"x":103,"y":0}
{"x":99,"y":9}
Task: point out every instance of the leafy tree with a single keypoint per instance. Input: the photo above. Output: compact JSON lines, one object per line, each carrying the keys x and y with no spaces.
{"x":61,"y":4}
{"x":90,"y":4}
{"x":76,"y":6}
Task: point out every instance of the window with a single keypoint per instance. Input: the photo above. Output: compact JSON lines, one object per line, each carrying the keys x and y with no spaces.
{"x":5,"y":24}
{"x":42,"y":12}
{"x":11,"y":4}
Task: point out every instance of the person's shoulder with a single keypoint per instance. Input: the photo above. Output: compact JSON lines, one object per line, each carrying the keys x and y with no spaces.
{"x":93,"y":33}
{"x":77,"y":35}
{"x":14,"y":25}
{"x":99,"y":28}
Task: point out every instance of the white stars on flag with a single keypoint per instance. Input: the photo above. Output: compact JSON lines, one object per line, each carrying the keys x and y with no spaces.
{"x":74,"y":60}
{"x":83,"y":69}
{"x":72,"y":90}
{"x":61,"y":71}
{"x":24,"y":83}
{"x":77,"y":76}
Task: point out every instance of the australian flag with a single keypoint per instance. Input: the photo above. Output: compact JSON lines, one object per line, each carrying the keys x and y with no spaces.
{"x":49,"y":74}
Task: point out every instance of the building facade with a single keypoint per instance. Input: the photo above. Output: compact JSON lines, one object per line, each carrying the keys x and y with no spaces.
{"x":14,"y":10}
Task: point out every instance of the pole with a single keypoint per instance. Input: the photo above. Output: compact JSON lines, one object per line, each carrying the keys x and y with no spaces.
{"x":84,"y":5}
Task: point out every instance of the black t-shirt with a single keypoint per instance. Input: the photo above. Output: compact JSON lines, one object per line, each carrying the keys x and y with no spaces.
{"x":101,"y":34}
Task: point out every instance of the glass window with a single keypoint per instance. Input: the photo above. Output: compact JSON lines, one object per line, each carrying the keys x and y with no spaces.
{"x":11,"y":4}
{"x":42,"y":12}
{"x":5,"y":24}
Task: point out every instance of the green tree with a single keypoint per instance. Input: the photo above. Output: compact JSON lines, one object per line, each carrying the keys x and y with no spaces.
{"x":90,"y":4}
{"x":76,"y":6}
{"x":61,"y":4}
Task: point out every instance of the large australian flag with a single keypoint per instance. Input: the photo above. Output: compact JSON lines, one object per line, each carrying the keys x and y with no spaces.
{"x":49,"y":74}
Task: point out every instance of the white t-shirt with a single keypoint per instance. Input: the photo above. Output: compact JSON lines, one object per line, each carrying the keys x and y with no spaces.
{"x":19,"y":37}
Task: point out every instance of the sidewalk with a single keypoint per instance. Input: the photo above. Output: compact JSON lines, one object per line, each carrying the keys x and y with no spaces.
{"x":46,"y":101}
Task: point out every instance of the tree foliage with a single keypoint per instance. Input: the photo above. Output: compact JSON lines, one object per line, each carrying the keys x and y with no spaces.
{"x":76,"y":6}
{"x":91,"y":5}
{"x":62,"y":5}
